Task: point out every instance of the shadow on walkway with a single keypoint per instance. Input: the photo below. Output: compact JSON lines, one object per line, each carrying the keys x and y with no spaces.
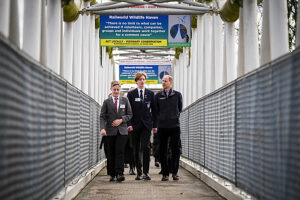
{"x":188,"y":187}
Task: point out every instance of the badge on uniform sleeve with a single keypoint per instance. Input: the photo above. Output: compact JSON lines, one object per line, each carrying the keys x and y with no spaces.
{"x":122,"y":106}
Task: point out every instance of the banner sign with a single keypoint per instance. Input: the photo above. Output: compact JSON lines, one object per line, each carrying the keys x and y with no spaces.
{"x":154,"y":71}
{"x":145,"y":30}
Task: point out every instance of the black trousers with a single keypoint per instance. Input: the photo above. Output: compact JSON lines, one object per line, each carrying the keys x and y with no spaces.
{"x":174,"y":135}
{"x":156,"y":142}
{"x":115,"y":150}
{"x":141,"y":143}
{"x":129,"y":156}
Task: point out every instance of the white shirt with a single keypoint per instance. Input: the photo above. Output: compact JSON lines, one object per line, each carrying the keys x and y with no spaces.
{"x":118,"y":101}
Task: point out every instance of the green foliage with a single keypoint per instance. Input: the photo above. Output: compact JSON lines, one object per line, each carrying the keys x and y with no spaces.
{"x":230,"y":11}
{"x":97,"y":22}
{"x":70,"y":12}
{"x":292,"y":6}
{"x":194,"y":21}
{"x":178,"y":51}
{"x":109,"y":50}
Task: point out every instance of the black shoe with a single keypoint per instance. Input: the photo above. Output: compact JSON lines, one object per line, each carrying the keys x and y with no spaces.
{"x":165,"y":178}
{"x":156,"y":164}
{"x":138,"y":177}
{"x":112,"y":178}
{"x":131,"y":171}
{"x":146,"y":177}
{"x":120,"y":178}
{"x":175,"y":177}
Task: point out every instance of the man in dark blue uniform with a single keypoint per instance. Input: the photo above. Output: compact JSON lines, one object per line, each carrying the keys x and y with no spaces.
{"x":143,"y":120}
{"x":169,"y":105}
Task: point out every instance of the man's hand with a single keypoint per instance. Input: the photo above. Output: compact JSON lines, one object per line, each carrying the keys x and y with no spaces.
{"x":103,"y":132}
{"x":117,"y":122}
{"x":130,"y":128}
{"x":154,"y":130}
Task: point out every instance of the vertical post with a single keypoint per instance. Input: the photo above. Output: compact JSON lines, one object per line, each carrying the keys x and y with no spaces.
{"x":217,"y":56}
{"x":5,"y":17}
{"x":298,"y":26}
{"x":44,"y":47}
{"x":97,"y":65}
{"x":194,"y":65}
{"x":200,"y":54}
{"x":54,"y":21}
{"x":181,"y":69}
{"x":248,"y":38}
{"x":207,"y":52}
{"x":229,"y":61}
{"x":14,"y":30}
{"x":77,"y":52}
{"x":274,"y":29}
{"x":67,"y":67}
{"x":85,"y":52}
{"x":32,"y":28}
{"x":185,"y":77}
{"x":92,"y":57}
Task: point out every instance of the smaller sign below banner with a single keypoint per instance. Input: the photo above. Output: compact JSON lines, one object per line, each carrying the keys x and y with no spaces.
{"x":155,"y":71}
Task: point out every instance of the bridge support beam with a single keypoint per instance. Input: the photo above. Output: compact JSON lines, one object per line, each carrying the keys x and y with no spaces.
{"x":54,"y":23}
{"x":67,"y":58}
{"x":200,"y":54}
{"x":97,"y":65}
{"x":4,"y":17}
{"x":248,"y":43}
{"x":85,"y":52}
{"x":32,"y":28}
{"x":207,"y":54}
{"x":194,"y":66}
{"x":229,"y":59}
{"x":217,"y":53}
{"x":13,"y":20}
{"x":274,"y":41}
{"x":92,"y":56}
{"x":77,"y":52}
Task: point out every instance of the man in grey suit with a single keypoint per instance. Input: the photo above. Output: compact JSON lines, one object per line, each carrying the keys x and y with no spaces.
{"x":115,"y":113}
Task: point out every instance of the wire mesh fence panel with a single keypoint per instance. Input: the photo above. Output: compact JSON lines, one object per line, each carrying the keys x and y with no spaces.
{"x":194,"y":133}
{"x":201,"y":145}
{"x":227,"y":133}
{"x":84,"y":132}
{"x":72,"y":133}
{"x":184,"y":133}
{"x":44,"y":123}
{"x":292,"y":153}
{"x":93,"y":133}
{"x":265,"y":139}
{"x":212,"y":131}
{"x":56,"y":129}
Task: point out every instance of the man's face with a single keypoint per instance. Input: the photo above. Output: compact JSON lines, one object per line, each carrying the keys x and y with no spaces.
{"x":166,"y":83}
{"x":115,"y":90}
{"x":141,"y":82}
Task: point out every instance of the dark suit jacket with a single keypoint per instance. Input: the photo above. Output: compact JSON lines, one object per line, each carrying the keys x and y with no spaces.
{"x":143,"y":111}
{"x":108,"y":115}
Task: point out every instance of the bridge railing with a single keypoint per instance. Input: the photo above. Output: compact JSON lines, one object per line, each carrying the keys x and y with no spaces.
{"x":248,"y":132}
{"x":49,"y":129}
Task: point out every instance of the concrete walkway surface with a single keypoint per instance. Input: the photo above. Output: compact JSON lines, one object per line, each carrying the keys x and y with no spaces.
{"x":188,"y":187}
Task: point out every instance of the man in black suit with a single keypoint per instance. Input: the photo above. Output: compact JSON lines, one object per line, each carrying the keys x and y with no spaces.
{"x":143,"y":120}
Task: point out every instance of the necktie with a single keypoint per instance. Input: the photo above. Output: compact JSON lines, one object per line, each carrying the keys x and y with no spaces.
{"x":116,"y":104}
{"x":141,"y":95}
